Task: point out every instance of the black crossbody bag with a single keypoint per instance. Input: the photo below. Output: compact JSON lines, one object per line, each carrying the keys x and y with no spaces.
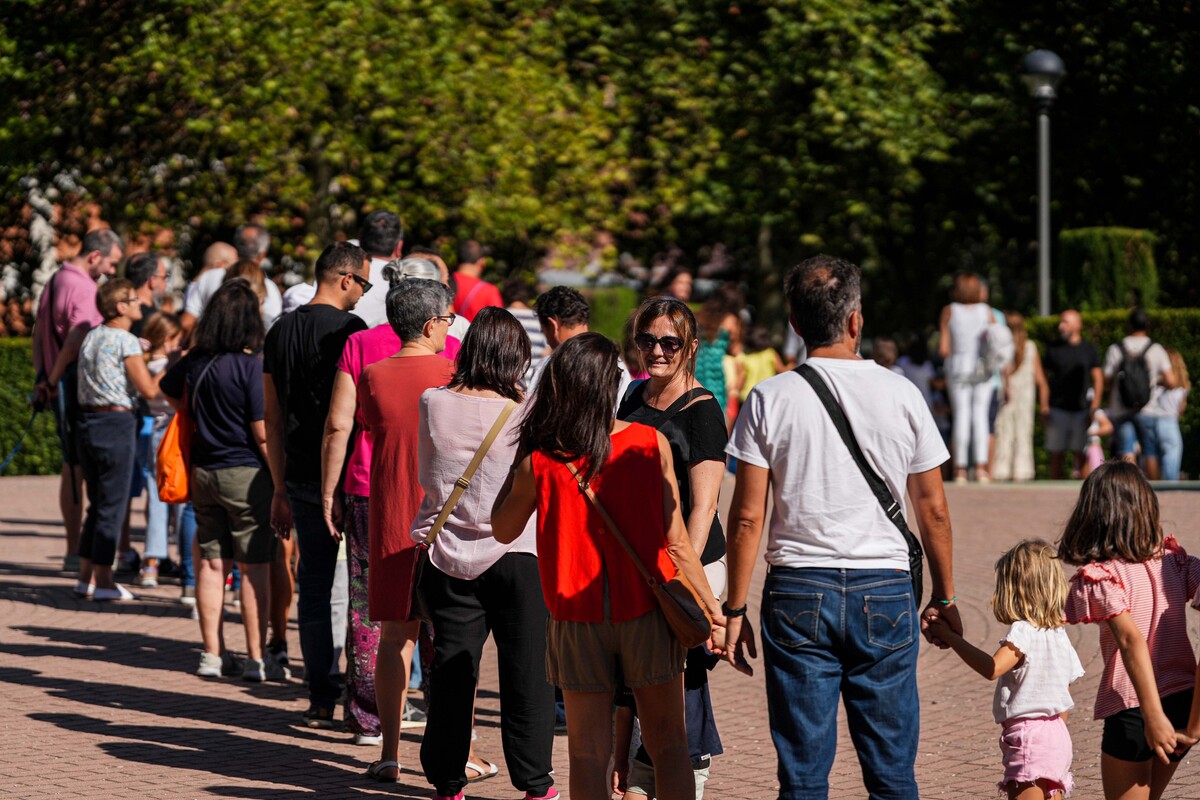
{"x":893,"y":509}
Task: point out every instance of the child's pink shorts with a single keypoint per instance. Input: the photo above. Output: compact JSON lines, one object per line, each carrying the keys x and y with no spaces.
{"x":1037,"y":749}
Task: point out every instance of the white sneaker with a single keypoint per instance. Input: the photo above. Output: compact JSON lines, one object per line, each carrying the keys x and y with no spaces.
{"x":83,"y":589}
{"x":210,"y":666}
{"x":116,"y":594}
{"x":254,"y":671}
{"x":366,"y":740}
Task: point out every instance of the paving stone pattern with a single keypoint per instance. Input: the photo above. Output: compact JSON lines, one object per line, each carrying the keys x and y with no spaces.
{"x":102,"y":702}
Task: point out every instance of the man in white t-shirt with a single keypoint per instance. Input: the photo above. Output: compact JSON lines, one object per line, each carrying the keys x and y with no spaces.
{"x":1138,"y":425}
{"x":382,"y":236}
{"x":251,"y":243}
{"x":839,"y":615}
{"x":219,"y":257}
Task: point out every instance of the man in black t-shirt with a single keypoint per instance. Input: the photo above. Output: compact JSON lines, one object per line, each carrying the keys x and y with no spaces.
{"x":1072,"y":368}
{"x":299,"y":363}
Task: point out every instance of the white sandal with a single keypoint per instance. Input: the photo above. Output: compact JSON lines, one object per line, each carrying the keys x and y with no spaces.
{"x":375,"y":771}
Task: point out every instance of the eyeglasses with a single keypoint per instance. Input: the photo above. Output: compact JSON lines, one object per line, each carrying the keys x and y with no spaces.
{"x":360,"y":280}
{"x":133,"y":299}
{"x":450,"y":318}
{"x":670,"y":344}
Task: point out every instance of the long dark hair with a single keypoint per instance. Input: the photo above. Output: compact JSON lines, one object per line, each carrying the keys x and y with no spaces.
{"x":1116,"y":518}
{"x":495,"y":354}
{"x":571,"y":413}
{"x":231,"y":321}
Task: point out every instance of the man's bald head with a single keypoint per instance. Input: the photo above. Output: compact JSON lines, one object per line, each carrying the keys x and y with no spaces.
{"x":219,"y":255}
{"x":1070,"y":325}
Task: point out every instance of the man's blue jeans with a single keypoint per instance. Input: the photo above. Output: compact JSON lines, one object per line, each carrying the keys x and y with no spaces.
{"x":1139,"y":429}
{"x":314,"y":583}
{"x":853,"y":633}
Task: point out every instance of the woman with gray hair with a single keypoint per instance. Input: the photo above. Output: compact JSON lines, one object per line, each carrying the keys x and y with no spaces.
{"x":389,"y":396}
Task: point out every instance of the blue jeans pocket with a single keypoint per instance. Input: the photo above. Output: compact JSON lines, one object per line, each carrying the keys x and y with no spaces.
{"x":889,"y":620}
{"x":794,"y":618}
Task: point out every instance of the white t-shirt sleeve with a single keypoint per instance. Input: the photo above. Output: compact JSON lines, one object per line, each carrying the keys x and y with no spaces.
{"x":1112,"y":360}
{"x":1157,"y":361}
{"x":272,"y":306}
{"x":748,"y":443}
{"x":1018,"y":636}
{"x":1077,"y":670}
{"x":191,"y":300}
{"x":930,"y":450}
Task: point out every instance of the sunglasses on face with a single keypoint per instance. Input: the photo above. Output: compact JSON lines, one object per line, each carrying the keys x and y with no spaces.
{"x":670,"y":344}
{"x":362,"y":282}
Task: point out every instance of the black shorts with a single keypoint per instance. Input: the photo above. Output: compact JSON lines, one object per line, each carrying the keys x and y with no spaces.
{"x":1125,"y":731}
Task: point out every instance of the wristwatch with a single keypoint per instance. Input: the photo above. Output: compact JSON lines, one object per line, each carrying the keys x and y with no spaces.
{"x":733,"y":612}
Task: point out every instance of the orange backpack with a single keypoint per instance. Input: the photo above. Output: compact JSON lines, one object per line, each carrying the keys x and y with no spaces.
{"x":174,"y":464}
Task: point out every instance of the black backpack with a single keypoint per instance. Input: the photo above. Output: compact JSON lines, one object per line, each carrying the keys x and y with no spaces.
{"x":1133,"y":379}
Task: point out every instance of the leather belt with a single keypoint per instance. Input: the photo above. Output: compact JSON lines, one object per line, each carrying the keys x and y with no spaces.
{"x":101,"y":409}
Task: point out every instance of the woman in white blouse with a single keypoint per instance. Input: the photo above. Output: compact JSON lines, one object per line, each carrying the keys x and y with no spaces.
{"x":473,"y":585}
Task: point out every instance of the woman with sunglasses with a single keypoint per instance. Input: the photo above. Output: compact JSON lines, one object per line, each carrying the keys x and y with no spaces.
{"x":690,"y":418}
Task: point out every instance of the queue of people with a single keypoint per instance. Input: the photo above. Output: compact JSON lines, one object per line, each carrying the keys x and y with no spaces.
{"x":474,"y":495}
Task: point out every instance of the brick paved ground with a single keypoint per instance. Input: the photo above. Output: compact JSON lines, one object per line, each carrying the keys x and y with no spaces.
{"x":102,"y":701}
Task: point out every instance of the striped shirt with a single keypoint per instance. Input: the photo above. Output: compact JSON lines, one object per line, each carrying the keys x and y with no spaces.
{"x":537,"y":340}
{"x":1155,"y":593}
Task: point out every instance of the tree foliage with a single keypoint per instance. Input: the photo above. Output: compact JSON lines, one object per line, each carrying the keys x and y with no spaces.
{"x":894,"y":132}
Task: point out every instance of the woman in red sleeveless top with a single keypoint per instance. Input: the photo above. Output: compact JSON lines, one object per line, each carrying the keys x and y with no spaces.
{"x":605,"y":625}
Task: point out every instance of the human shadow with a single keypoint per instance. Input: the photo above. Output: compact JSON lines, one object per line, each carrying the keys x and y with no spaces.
{"x":199,"y":705}
{"x":49,"y":523}
{"x":297,"y":769}
{"x":60,"y":595}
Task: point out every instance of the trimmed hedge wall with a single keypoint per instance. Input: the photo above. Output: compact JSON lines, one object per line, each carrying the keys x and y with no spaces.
{"x":1176,"y":328}
{"x":1106,"y":268}
{"x":41,"y":454}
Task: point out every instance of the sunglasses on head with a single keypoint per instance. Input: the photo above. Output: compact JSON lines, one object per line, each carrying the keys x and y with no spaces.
{"x":362,"y":282}
{"x":670,"y":344}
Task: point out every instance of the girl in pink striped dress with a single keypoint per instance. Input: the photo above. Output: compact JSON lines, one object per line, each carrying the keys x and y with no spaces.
{"x":1136,"y":586}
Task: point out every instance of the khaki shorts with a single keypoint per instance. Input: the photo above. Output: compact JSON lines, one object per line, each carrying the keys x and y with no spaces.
{"x":233,"y":514}
{"x":600,"y":656}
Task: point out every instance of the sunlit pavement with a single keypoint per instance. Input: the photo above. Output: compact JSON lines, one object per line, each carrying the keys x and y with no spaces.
{"x":102,"y":702}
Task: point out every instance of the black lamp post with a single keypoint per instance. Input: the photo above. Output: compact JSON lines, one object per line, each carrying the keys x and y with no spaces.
{"x":1041,"y":71}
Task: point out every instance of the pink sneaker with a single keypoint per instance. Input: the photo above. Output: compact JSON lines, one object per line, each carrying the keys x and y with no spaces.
{"x":458,"y":796}
{"x":550,"y":795}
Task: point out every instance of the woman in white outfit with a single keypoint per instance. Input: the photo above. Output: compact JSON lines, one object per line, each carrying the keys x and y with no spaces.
{"x":1025,"y":389}
{"x":968,"y":380}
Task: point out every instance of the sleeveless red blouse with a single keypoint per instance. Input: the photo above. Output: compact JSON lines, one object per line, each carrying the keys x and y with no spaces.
{"x":576,"y":550}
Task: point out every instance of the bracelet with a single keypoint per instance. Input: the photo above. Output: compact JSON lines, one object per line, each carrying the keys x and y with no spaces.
{"x":942,"y":602}
{"x":733,"y":612}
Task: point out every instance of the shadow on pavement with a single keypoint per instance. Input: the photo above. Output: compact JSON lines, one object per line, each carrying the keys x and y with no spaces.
{"x":197,"y":705}
{"x":59,"y":595}
{"x":222,"y":753}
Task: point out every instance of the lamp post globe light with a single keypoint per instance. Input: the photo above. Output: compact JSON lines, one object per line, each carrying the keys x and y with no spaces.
{"x":1042,"y":71}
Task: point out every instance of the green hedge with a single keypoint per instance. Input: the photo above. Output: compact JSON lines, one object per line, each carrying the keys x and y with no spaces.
{"x":1176,"y":328}
{"x":1105,"y":268}
{"x":41,"y":454}
{"x":611,"y":307}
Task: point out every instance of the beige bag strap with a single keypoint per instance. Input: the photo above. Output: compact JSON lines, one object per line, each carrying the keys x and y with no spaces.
{"x":612,"y":525}
{"x":462,"y":483}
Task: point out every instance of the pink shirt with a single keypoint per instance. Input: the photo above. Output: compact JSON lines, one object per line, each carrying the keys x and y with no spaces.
{"x":363,"y":349}
{"x":74,"y":303}
{"x":1155,"y":593}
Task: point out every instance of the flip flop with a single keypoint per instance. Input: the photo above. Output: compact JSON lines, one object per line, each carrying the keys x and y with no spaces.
{"x":376,"y":771}
{"x":488,"y":770}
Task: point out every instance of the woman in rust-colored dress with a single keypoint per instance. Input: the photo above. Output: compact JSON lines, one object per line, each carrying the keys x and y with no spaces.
{"x":390,"y":393}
